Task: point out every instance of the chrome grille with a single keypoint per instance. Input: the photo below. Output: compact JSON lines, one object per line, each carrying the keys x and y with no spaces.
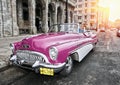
{"x":28,"y":56}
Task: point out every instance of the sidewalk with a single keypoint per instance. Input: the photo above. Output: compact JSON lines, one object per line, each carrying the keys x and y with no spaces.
{"x":5,"y":50}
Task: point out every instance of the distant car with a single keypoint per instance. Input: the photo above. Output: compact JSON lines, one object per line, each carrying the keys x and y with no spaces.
{"x":118,"y":32}
{"x":53,"y":52}
{"x":102,"y":29}
{"x":112,"y":29}
{"x":93,"y":28}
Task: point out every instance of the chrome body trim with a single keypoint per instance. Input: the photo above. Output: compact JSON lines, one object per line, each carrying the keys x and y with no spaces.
{"x":36,"y":65}
{"x":54,"y":66}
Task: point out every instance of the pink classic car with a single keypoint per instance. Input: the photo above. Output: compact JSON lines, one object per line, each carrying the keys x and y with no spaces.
{"x":53,"y":52}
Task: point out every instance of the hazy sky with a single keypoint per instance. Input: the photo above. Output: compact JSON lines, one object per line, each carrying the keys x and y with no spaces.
{"x":114,"y":8}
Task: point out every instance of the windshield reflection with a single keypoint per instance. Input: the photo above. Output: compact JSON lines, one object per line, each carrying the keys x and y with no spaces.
{"x":74,"y":28}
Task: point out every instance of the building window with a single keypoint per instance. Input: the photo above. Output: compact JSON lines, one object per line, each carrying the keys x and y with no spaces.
{"x":80,"y":23}
{"x":79,"y":17}
{"x":25,"y":11}
{"x":75,"y":12}
{"x":86,"y":4}
{"x":85,"y":24}
{"x":85,"y":10}
{"x":93,"y":4}
{"x":91,"y":24}
{"x":80,"y":6}
{"x":85,"y":16}
{"x":93,"y":10}
{"x":80,"y":0}
{"x":92,"y":16}
{"x":80,"y":11}
{"x":75,"y":0}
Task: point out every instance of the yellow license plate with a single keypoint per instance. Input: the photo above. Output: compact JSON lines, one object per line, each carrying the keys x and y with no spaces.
{"x":47,"y":71}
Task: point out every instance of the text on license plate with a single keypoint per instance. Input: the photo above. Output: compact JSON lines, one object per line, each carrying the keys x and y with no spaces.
{"x":47,"y":71}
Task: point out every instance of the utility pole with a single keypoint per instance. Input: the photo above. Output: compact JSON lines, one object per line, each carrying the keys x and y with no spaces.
{"x":66,"y":11}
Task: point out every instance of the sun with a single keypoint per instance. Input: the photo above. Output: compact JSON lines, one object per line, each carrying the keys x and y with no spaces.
{"x":114,"y":10}
{"x":104,"y":3}
{"x":114,"y":6}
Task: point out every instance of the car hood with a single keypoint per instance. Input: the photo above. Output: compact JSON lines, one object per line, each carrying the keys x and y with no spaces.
{"x":44,"y":41}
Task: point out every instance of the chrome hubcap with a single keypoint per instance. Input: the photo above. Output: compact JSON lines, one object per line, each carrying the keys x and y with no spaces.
{"x":69,"y":63}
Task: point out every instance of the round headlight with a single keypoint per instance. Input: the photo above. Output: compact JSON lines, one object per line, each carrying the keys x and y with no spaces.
{"x":53,"y":52}
{"x":12,"y":47}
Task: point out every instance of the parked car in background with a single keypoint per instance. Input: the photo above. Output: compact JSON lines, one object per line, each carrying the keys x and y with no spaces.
{"x":113,"y":29}
{"x":53,"y":52}
{"x":93,"y":28}
{"x":102,"y":29}
{"x":118,"y":32}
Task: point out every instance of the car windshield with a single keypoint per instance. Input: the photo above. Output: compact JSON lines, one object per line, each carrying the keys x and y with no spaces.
{"x":74,"y":28}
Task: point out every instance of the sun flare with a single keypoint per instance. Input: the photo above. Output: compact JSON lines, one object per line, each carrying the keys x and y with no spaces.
{"x":114,"y":6}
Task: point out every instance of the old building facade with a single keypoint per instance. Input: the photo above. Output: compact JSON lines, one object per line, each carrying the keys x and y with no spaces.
{"x":87,"y":11}
{"x":32,"y":16}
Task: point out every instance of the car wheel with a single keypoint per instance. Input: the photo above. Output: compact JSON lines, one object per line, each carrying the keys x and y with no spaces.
{"x":94,"y":47}
{"x":68,"y":67}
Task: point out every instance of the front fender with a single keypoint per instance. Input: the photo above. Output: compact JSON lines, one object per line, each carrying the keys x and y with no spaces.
{"x":82,"y":47}
{"x":65,"y":50}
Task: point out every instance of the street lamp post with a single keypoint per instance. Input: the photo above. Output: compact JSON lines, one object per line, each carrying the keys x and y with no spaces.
{"x":66,"y":11}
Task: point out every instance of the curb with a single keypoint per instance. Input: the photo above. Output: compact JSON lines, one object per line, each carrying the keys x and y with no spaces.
{"x":4,"y":67}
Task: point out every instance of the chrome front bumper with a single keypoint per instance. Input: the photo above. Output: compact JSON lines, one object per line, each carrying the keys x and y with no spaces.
{"x":37,"y":65}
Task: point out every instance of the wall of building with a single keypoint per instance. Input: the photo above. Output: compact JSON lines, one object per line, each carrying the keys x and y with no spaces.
{"x":5,"y":18}
{"x":86,"y":10}
{"x":19,"y":16}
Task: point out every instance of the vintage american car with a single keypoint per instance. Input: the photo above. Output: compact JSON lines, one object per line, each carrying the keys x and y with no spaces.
{"x":53,"y":52}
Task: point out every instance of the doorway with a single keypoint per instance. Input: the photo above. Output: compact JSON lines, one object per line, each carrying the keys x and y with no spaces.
{"x":38,"y":16}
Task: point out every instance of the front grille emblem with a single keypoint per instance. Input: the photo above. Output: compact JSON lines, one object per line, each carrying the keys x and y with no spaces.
{"x":26,"y":46}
